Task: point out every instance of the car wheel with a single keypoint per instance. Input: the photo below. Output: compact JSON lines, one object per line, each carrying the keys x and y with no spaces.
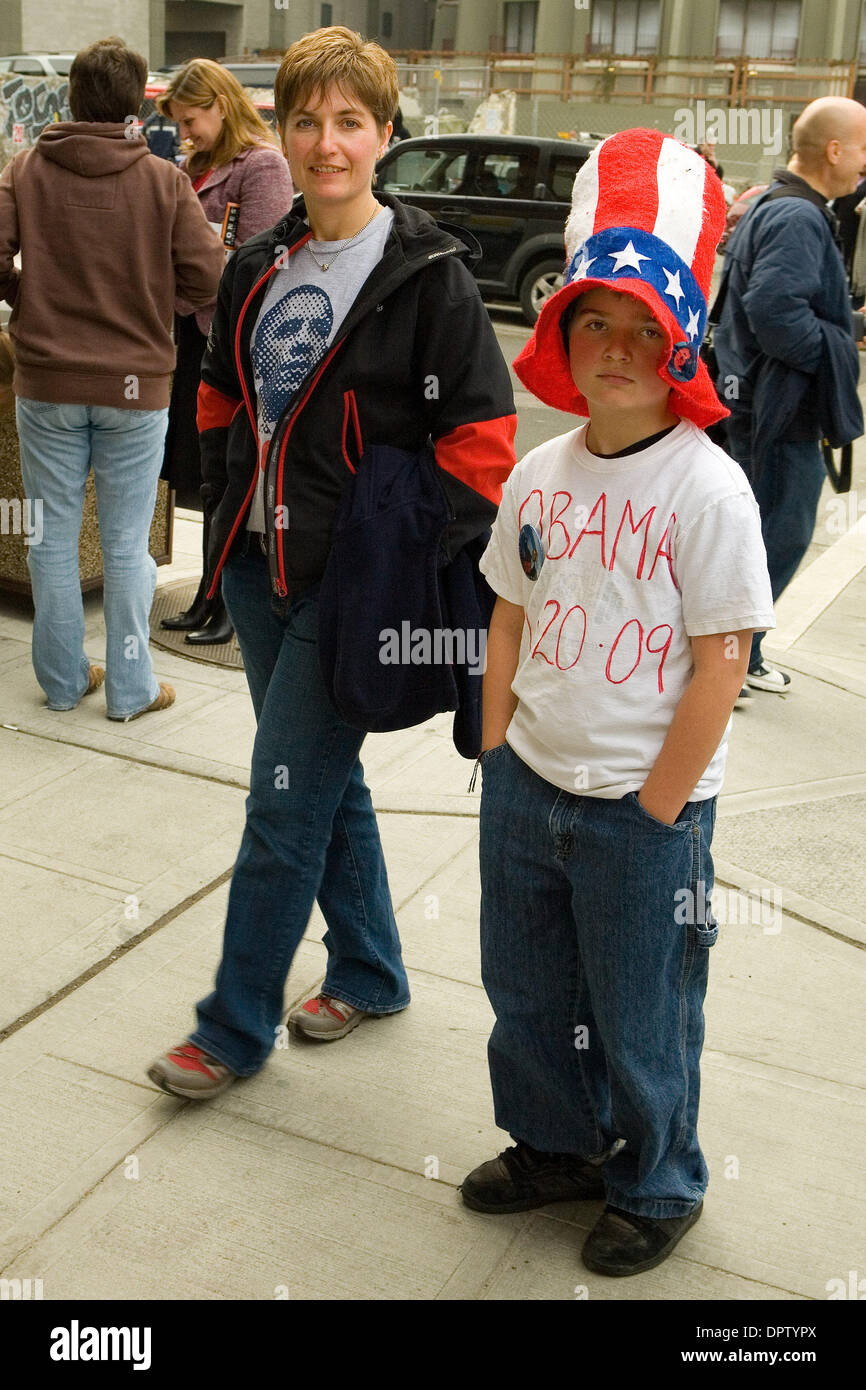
{"x":541,"y":281}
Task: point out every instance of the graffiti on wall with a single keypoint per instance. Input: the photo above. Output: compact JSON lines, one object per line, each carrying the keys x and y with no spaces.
{"x":27,"y":105}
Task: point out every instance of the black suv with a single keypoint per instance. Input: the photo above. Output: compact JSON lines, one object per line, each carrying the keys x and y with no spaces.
{"x":512,"y":192}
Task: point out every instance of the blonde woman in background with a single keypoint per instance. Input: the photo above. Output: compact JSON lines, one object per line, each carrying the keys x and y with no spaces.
{"x":233,"y":158}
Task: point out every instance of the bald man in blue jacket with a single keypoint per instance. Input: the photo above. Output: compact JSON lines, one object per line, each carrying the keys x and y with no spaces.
{"x":787,"y":356}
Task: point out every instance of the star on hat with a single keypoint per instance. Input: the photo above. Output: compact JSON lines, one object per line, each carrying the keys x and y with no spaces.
{"x":693,"y":325}
{"x":627,"y":257}
{"x":583,"y":267}
{"x":674,"y":288}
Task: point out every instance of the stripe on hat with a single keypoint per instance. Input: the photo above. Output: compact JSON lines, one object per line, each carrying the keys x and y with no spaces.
{"x":628,"y":194}
{"x":681,"y":173}
{"x":581,"y":219}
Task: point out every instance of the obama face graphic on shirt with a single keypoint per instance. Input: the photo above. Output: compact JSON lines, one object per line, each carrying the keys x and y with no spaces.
{"x":290,"y":339}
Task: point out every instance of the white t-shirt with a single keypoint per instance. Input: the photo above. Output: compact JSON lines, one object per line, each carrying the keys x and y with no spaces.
{"x":300,"y":316}
{"x":640,"y":553}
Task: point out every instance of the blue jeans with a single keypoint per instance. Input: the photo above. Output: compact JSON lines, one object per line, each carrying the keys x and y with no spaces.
{"x":310,"y":834}
{"x":59,"y":446}
{"x":597,"y":979}
{"x":787,"y":490}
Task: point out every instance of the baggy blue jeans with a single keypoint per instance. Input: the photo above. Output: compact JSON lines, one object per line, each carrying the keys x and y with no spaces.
{"x":787,"y":490}
{"x":59,"y":446}
{"x":597,"y":978}
{"x":310,"y":834}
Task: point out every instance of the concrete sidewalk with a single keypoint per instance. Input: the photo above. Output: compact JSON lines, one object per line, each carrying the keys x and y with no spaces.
{"x":333,"y":1173}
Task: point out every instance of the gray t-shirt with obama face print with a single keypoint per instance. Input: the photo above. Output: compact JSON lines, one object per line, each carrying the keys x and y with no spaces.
{"x":300,"y":316}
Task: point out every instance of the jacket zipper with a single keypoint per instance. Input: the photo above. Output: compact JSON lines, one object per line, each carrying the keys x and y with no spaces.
{"x":250,"y":413}
{"x":274,"y":489}
{"x":350,"y":412}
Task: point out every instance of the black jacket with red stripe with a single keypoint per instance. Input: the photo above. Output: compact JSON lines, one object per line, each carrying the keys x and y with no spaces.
{"x":415,"y":359}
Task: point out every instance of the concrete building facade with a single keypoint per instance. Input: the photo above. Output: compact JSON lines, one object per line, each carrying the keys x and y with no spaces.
{"x":173,"y":30}
{"x":806,"y":30}
{"x":170,"y":31}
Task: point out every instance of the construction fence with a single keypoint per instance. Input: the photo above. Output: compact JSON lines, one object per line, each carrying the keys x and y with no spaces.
{"x":746,"y":107}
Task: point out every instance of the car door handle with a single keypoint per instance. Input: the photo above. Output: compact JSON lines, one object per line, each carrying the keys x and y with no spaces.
{"x":452,"y":212}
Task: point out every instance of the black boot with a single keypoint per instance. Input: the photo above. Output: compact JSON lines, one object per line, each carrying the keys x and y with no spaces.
{"x":216,"y":630}
{"x":195,"y":616}
{"x":201,"y":608}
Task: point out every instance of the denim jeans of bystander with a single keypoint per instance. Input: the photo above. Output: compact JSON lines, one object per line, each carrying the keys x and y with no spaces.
{"x":787,"y":489}
{"x":59,"y":446}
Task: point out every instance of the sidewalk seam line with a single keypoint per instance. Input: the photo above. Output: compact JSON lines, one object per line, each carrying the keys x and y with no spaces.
{"x":82,"y":1197}
{"x":211,"y":777}
{"x":783,"y":1070}
{"x":793,"y":915}
{"x":330,"y":1147}
{"x":128,"y":758}
{"x":116,"y":954}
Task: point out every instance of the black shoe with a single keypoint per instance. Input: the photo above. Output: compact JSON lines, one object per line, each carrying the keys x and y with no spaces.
{"x":218,"y":629}
{"x":622,"y":1243}
{"x":187,"y":620}
{"x":195,"y":616}
{"x":522,"y":1178}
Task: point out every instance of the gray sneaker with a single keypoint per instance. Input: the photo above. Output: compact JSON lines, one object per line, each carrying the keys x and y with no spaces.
{"x":325,"y":1018}
{"x":189,"y":1072}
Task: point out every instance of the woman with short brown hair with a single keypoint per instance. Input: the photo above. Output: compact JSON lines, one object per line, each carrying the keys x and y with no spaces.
{"x":353,"y":333}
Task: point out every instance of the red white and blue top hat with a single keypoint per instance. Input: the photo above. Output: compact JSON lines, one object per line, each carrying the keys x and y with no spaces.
{"x":646,"y":216}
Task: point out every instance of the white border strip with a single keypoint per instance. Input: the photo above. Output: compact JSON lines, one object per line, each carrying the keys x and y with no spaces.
{"x":809,"y":594}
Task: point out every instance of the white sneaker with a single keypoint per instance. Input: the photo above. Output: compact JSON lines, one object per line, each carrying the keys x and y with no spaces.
{"x":743,"y":698}
{"x":768,"y":678}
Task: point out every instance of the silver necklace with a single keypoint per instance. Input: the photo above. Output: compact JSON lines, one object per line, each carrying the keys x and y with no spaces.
{"x":334,"y":254}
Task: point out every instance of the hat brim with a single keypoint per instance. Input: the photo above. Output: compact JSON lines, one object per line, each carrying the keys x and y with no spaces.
{"x":543,"y":366}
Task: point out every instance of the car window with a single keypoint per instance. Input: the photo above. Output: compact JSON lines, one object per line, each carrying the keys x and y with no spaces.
{"x":428,"y":170}
{"x":27,"y":65}
{"x":61,"y":66}
{"x":561,"y":174}
{"x":504,"y":174}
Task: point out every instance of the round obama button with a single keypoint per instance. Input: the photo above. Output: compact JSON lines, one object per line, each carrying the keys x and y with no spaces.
{"x":531,"y":551}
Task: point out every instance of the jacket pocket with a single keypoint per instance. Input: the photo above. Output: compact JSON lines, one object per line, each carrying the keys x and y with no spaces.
{"x":351,"y":424}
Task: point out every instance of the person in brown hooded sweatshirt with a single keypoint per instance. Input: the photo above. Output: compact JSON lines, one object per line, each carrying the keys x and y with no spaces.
{"x":109,"y":238}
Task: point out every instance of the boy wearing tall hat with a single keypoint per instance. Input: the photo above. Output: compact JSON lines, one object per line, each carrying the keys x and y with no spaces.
{"x":630,"y":573}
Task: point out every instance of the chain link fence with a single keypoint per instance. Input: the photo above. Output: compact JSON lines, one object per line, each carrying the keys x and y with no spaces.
{"x":442,"y":100}
{"x":510,"y":96}
{"x":462,"y":96}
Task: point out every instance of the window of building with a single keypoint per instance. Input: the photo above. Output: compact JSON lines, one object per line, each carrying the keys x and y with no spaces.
{"x":758,"y":28}
{"x":625,"y":26}
{"x":521,"y":18}
{"x":387,"y":24}
{"x":327,"y":16}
